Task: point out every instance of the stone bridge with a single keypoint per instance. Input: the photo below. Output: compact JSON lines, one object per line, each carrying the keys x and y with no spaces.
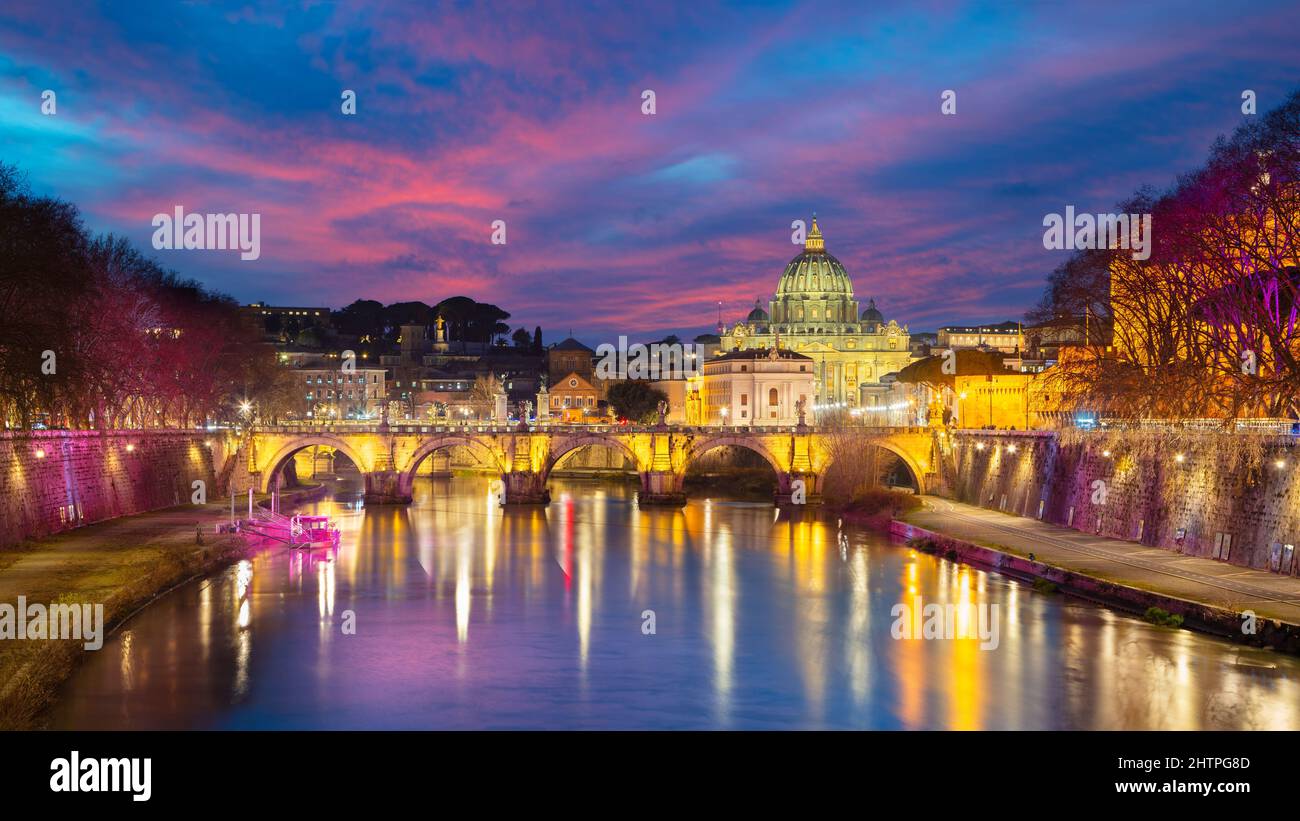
{"x":390,"y":455}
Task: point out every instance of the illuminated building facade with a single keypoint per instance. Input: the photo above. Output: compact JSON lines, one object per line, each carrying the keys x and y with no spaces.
{"x":815,"y":313}
{"x":756,"y":387}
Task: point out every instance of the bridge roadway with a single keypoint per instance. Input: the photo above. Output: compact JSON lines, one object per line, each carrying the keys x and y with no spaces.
{"x":390,"y":455}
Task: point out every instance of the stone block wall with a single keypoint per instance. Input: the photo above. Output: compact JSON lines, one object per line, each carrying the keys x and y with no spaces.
{"x":1121,"y":485}
{"x":52,"y":481}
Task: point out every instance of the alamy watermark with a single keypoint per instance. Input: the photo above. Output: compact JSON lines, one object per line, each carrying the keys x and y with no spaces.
{"x":1087,"y":232}
{"x":946,"y":621}
{"x":55,"y":622}
{"x":659,"y":360}
{"x":208,"y":232}
{"x":77,"y":774}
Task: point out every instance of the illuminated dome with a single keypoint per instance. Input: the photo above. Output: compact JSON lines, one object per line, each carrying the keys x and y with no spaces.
{"x":757,"y":315}
{"x":814,"y":272}
{"x":871,"y":314}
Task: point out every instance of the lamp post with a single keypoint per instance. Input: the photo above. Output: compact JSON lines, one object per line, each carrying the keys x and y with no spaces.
{"x":724,"y":413}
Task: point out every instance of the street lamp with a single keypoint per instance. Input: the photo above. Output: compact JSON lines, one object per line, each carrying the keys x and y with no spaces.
{"x":724,"y":412}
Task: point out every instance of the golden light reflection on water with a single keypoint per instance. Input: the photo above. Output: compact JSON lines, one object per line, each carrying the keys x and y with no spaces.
{"x":857,"y":644}
{"x":945,"y":684}
{"x":763,"y":619}
{"x":464,"y":570}
{"x":720,"y":602}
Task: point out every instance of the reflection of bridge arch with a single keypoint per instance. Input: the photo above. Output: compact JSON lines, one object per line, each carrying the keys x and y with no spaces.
{"x":565,"y":445}
{"x":753,"y":444}
{"x":275,"y":464}
{"x":450,"y":440}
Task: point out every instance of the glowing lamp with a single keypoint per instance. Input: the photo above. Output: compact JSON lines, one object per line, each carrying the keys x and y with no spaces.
{"x":40,"y":453}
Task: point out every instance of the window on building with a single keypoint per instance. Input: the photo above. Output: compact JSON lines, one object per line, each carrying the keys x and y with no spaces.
{"x":744,"y":399}
{"x":772,"y":397}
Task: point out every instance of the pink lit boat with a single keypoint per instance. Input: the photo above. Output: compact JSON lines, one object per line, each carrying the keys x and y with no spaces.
{"x":310,"y":532}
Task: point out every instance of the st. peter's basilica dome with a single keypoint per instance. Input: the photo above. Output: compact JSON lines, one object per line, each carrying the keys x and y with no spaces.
{"x":814,"y":272}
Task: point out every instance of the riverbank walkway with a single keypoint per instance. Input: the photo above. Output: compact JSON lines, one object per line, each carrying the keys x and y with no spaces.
{"x":95,"y":562}
{"x":1192,"y":578}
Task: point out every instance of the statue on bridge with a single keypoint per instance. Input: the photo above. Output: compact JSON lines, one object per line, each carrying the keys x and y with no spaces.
{"x":799,"y":406}
{"x":663,"y":412}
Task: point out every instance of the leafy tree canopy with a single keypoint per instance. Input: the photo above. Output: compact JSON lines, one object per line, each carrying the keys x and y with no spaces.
{"x":636,"y":401}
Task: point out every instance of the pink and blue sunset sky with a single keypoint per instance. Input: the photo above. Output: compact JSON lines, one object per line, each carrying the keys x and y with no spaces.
{"x":618,"y":222}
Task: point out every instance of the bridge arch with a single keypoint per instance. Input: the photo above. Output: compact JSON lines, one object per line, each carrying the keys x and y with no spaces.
{"x":436,"y":443}
{"x":904,"y":454}
{"x":702,"y":446}
{"x":272,"y":467}
{"x":564,"y":445}
{"x":913,"y":467}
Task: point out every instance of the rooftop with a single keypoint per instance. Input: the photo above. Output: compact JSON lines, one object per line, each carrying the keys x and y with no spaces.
{"x":571,"y":344}
{"x":759,"y":353}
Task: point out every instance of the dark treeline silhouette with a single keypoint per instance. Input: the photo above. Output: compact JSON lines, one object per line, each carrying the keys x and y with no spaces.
{"x":94,"y":334}
{"x":371,"y":323}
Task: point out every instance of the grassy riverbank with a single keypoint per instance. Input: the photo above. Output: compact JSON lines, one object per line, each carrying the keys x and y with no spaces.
{"x":121,"y":563}
{"x":874,"y":507}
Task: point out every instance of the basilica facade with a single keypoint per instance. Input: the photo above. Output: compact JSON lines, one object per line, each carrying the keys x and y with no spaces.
{"x":814,"y":313}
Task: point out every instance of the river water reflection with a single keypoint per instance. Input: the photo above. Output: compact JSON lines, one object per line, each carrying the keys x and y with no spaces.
{"x":470,"y":616}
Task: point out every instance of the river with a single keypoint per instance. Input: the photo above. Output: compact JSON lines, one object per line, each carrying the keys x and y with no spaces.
{"x":591,"y":613}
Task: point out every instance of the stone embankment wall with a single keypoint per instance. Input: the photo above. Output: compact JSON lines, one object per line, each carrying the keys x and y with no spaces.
{"x":52,"y":481}
{"x":1229,"y":497}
